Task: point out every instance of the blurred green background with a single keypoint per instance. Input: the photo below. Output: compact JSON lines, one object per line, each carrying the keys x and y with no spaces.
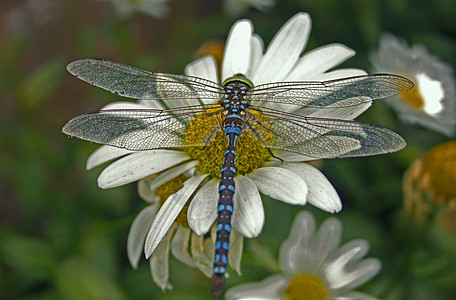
{"x":62,"y":237}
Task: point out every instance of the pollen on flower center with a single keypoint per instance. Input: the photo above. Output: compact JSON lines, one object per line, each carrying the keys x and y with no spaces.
{"x":305,"y":287}
{"x":413,"y":98}
{"x":250,"y":151}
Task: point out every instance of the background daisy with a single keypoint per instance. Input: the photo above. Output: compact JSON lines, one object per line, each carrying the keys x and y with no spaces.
{"x":313,"y":266}
{"x":126,"y":8}
{"x":432,"y":103}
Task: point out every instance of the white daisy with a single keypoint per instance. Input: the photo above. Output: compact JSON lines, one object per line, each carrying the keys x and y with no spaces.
{"x":432,"y":102}
{"x":126,"y":8}
{"x":237,"y":7}
{"x":294,"y":182}
{"x":313,"y":267}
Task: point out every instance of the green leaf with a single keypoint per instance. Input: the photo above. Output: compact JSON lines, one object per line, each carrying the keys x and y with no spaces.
{"x":41,"y":83}
{"x":31,"y":257}
{"x":79,"y":279}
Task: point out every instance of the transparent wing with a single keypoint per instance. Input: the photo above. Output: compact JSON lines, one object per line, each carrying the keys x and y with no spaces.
{"x":141,"y":129}
{"x":334,"y":93}
{"x":324,"y":138}
{"x":128,"y":81}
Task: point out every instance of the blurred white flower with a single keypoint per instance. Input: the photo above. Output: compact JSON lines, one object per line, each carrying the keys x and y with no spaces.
{"x":237,"y":7}
{"x":313,"y":267}
{"x":126,"y":8}
{"x":432,"y":103}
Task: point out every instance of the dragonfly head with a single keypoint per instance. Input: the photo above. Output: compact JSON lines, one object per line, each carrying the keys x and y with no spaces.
{"x":238,"y":77}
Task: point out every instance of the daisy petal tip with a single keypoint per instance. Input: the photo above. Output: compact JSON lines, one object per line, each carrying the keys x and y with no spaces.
{"x":374,"y":264}
{"x":332,"y":207}
{"x":134,"y":265}
{"x":196,"y":227}
{"x":245,"y":24}
{"x":349,"y":52}
{"x":362,"y":246}
{"x":305,"y":217}
{"x":90,"y":163}
{"x":148,"y":251}
{"x":303,"y":16}
{"x":103,"y":185}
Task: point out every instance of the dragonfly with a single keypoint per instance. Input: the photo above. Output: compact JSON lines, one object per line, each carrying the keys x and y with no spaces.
{"x":237,"y":103}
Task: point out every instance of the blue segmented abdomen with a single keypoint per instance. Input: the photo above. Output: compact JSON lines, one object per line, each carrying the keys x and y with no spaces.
{"x":225,"y":211}
{"x":235,"y":103}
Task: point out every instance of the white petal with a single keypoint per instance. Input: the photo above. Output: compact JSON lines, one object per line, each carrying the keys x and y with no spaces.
{"x":168,"y":213}
{"x":123,"y":105}
{"x":321,"y":192}
{"x":237,"y":51}
{"x":235,"y":253}
{"x":291,"y":157}
{"x":284,"y":50}
{"x":151,"y":104}
{"x":138,"y":165}
{"x":313,"y":254}
{"x":328,"y":237}
{"x":170,"y":174}
{"x":145,"y":192}
{"x":141,"y":104}
{"x":248,"y":213}
{"x":159,"y":263}
{"x":318,"y":61}
{"x":281,"y":184}
{"x":345,"y":272}
{"x":293,"y":249}
{"x":337,"y":74}
{"x":202,"y":211}
{"x":103,"y":154}
{"x":341,"y":113}
{"x":179,"y":245}
{"x":272,"y":288}
{"x":200,"y":249}
{"x":256,"y":54}
{"x":138,"y":232}
{"x":355,"y":296}
{"x":204,"y":67}
{"x":363,"y":272}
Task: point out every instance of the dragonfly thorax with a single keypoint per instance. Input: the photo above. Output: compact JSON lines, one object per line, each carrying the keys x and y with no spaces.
{"x":236,"y":97}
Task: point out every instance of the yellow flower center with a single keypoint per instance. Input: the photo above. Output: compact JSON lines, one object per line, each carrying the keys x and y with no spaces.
{"x":440,"y":164}
{"x":413,"y":98}
{"x":251,"y":153}
{"x":305,"y":287}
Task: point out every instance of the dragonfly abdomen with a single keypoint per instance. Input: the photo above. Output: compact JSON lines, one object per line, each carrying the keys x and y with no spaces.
{"x":233,"y":128}
{"x":225,"y":211}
